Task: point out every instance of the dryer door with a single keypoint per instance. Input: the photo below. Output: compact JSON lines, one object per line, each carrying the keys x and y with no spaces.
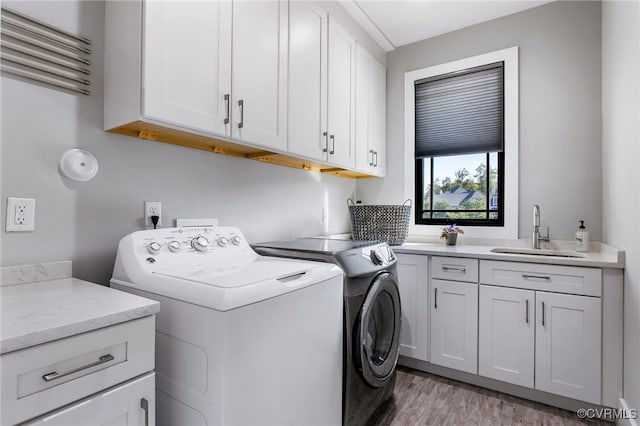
{"x":377,"y":341}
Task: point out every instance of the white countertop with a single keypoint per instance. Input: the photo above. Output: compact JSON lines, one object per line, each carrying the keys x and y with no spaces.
{"x":604,"y":257}
{"x":39,"y":312}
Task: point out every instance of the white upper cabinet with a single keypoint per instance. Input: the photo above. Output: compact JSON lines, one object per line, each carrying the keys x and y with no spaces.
{"x":186,"y":63}
{"x":341,"y":114}
{"x":307,"y":80}
{"x":370,"y":122}
{"x":259,"y":79}
{"x":263,"y":79}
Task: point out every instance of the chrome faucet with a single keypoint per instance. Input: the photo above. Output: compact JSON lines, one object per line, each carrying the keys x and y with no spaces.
{"x":536,"y":228}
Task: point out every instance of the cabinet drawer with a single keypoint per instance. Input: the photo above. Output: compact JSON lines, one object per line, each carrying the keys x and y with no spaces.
{"x":130,"y":404}
{"x":533,"y":276}
{"x":41,"y":378}
{"x":454,"y":268}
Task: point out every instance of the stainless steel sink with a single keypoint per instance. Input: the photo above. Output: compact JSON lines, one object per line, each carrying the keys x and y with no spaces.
{"x":537,"y":252}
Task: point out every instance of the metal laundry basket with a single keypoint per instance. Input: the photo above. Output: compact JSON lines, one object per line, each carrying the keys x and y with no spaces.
{"x":389,"y":223}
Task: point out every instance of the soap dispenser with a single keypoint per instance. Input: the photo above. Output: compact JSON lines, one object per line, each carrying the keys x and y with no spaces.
{"x":582,"y":238}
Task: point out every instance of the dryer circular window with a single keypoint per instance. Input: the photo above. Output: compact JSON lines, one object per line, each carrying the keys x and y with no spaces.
{"x":377,"y":331}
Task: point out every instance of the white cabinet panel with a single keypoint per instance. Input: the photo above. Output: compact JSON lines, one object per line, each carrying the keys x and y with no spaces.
{"x":120,"y":406}
{"x":506,"y":334}
{"x":370,"y":121}
{"x":259,"y":80}
{"x":186,"y":70}
{"x":341,"y":101}
{"x":307,"y":80}
{"x":454,"y":325}
{"x":568,"y":345}
{"x":413,"y":284}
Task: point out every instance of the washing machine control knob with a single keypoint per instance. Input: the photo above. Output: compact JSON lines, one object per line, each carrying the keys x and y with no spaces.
{"x":376,"y":258}
{"x":154,"y":247}
{"x":223,"y":241}
{"x":236,"y":240}
{"x":200,"y":243}
{"x":174,"y":246}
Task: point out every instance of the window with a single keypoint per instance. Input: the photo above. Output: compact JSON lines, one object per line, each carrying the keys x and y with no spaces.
{"x":459,"y":147}
{"x":461,"y":150}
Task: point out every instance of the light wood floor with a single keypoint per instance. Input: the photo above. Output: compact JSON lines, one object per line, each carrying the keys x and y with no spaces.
{"x":425,"y":399}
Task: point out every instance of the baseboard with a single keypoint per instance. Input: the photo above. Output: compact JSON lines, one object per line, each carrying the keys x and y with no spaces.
{"x":622,"y":404}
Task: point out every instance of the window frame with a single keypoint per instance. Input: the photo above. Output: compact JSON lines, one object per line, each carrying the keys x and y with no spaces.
{"x":419,"y":176}
{"x":509,"y":227}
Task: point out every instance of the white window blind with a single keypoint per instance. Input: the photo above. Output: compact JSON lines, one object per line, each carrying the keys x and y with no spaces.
{"x":460,"y":112}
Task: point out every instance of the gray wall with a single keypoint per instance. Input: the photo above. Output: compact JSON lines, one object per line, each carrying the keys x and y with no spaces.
{"x":621,"y":158}
{"x":560,"y":117}
{"x":84,"y":221}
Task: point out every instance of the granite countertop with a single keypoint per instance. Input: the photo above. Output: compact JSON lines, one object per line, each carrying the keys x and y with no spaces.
{"x":599,"y":256}
{"x":38,"y":312}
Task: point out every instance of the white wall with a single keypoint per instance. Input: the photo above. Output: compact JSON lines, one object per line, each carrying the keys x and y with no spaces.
{"x":84,"y":221}
{"x":560,"y":118}
{"x":621,"y":165}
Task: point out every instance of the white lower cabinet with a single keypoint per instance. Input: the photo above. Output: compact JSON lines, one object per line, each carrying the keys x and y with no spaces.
{"x":506,"y":334}
{"x":130,"y":404}
{"x":568,"y":345}
{"x":454,"y":325}
{"x":413,"y":281}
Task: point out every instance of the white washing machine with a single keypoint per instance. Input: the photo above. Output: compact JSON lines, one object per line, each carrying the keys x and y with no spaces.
{"x":241,"y":339}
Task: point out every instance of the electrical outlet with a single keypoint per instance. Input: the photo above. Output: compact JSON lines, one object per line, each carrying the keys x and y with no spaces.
{"x":21,"y":214}
{"x":152,"y":208}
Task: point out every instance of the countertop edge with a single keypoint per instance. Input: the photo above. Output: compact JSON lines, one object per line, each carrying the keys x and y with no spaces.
{"x":481,"y":252}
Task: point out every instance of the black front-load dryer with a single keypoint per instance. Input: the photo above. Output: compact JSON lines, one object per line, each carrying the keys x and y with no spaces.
{"x":371,"y":317}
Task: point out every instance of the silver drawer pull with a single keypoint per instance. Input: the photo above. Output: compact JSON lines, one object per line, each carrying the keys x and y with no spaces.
{"x":144,"y":404}
{"x":54,"y":375}
{"x":526,"y":319}
{"x":536,"y":277}
{"x":454,"y":268}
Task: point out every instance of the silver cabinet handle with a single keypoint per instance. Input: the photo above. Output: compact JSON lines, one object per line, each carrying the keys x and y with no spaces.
{"x":371,"y":162}
{"x":326,"y":141}
{"x":454,"y":268}
{"x":543,"y":314}
{"x":54,"y":375}
{"x":526,"y":317}
{"x":333,"y":144}
{"x":536,"y":277}
{"x":241,"y":105}
{"x":375,"y":163}
{"x":226,"y":103}
{"x":144,"y":404}
{"x":435,"y":299}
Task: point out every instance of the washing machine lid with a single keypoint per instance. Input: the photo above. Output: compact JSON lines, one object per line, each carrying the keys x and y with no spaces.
{"x":238,"y":274}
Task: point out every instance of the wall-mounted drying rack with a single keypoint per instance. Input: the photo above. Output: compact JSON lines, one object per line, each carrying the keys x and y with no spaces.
{"x":38,"y":51}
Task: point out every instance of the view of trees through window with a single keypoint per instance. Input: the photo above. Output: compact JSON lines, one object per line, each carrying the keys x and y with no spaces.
{"x":461,"y":187}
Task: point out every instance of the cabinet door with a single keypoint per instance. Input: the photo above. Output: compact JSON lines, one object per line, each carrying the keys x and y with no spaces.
{"x":259,"y":88}
{"x":412,"y":283}
{"x":454,"y":325}
{"x":378,"y":115}
{"x":506,"y":334}
{"x":307,"y":80}
{"x":130,"y":404}
{"x":370,"y":113}
{"x":568,"y":345}
{"x":187,"y":64}
{"x":341,"y":101}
